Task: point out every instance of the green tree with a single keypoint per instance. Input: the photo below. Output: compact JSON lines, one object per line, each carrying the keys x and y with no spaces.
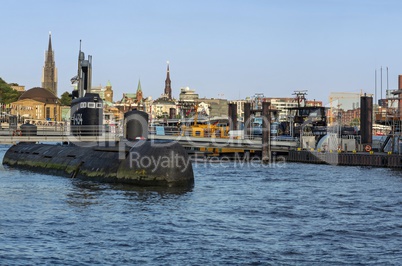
{"x":355,"y":122}
{"x":65,"y":99}
{"x":7,"y":94}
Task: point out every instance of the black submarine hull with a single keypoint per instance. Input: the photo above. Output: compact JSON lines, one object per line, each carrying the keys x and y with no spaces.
{"x":144,"y":163}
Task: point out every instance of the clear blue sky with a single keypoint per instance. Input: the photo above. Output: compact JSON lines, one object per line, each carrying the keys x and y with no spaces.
{"x":230,"y":47}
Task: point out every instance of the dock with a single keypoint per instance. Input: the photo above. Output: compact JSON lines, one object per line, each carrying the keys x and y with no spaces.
{"x":189,"y":143}
{"x":369,"y":159}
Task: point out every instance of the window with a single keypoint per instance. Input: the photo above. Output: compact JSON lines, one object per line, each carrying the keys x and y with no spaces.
{"x":91,"y":105}
{"x":47,"y":116}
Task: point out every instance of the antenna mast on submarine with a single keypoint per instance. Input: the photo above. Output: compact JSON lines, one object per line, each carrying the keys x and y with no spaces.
{"x":84,"y":75}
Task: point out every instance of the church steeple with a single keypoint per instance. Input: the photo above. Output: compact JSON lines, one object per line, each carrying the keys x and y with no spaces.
{"x":50,"y":42}
{"x":168,"y":88}
{"x":139,"y":92}
{"x":49,"y":74}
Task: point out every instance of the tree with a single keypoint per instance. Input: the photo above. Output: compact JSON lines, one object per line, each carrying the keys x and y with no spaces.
{"x":7,"y":94}
{"x":355,"y":122}
{"x":65,"y":99}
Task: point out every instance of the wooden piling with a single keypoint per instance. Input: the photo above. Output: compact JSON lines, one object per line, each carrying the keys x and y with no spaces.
{"x":247,"y":120}
{"x":266,"y":132}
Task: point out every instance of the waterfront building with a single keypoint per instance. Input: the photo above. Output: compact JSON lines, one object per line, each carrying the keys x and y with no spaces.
{"x":49,"y":74}
{"x":314,"y":103}
{"x":342,"y":101}
{"x":216,"y":107}
{"x":187,"y":94}
{"x":37,"y":103}
{"x":282,"y":106}
{"x":133,"y":100}
{"x":127,"y":102}
{"x":163,"y":108}
{"x":240,"y":109}
{"x":350,"y":117}
{"x":187,"y":101}
{"x":104,"y":93}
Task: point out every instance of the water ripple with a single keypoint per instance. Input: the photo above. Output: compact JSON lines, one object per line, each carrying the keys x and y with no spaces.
{"x":294,"y":215}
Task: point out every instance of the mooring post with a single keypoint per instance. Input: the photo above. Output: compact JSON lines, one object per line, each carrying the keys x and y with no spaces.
{"x":246,"y":155}
{"x":366,"y":121}
{"x":232,"y":116}
{"x":247,"y":120}
{"x":266,"y":132}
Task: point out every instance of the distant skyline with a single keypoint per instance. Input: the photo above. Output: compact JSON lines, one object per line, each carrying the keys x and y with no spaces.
{"x":222,"y":49}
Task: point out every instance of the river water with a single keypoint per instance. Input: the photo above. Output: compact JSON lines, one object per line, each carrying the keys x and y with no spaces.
{"x":235,"y":214}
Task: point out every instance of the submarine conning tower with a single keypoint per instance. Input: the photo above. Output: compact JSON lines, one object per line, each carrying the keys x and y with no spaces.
{"x":86,"y":107}
{"x":135,"y":125}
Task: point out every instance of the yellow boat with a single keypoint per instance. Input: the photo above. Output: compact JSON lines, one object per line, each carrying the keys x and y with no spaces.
{"x":211,"y":129}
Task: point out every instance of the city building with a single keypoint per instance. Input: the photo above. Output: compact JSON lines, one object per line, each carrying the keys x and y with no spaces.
{"x":344,"y":100}
{"x":350,"y":117}
{"x":37,"y":103}
{"x":187,"y":101}
{"x":131,"y":100}
{"x":313,"y":103}
{"x":186,"y":94}
{"x":20,"y":89}
{"x":216,"y":107}
{"x":49,"y":74}
{"x":282,"y":106}
{"x":108,"y":93}
{"x":163,"y":108}
{"x":341,"y":102}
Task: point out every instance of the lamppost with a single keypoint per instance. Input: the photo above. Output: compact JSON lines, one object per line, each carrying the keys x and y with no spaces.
{"x":1,"y":109}
{"x":55,"y":111}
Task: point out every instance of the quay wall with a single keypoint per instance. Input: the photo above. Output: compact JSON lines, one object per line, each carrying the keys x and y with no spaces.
{"x":346,"y":158}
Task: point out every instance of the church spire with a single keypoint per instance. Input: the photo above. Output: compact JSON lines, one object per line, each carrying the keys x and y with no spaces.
{"x":168,"y":88}
{"x":49,"y":74}
{"x":139,"y":92}
{"x":139,"y":86}
{"x":50,"y":42}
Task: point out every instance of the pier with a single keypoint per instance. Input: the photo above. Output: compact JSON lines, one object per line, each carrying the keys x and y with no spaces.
{"x":208,"y":146}
{"x":371,"y":159}
{"x":188,"y":142}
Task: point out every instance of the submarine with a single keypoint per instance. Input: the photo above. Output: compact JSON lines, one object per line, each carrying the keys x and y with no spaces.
{"x":133,"y":160}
